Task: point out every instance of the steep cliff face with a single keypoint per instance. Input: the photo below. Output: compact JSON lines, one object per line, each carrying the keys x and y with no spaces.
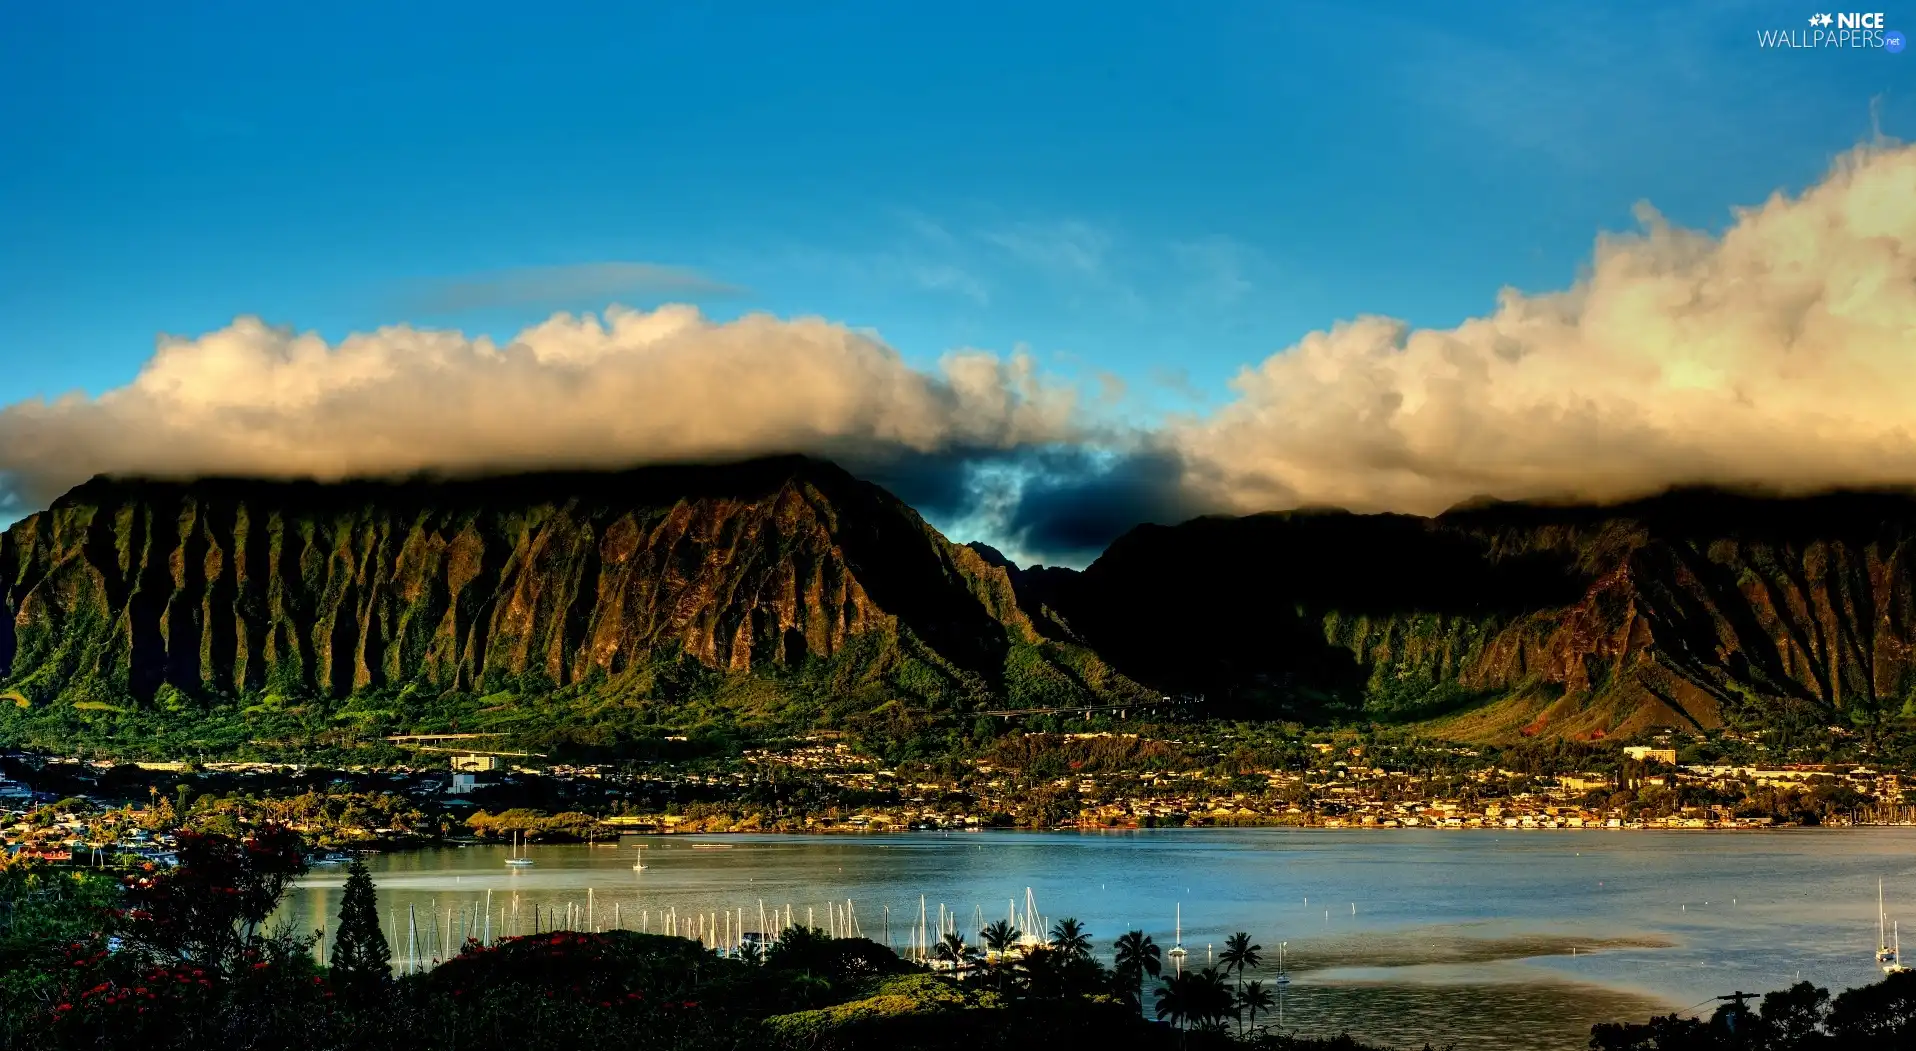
{"x":1689,"y":609}
{"x":791,"y":588}
{"x":128,"y":591}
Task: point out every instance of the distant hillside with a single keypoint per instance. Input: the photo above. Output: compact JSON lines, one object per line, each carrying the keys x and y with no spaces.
{"x":1688,"y":609}
{"x":579,"y":607}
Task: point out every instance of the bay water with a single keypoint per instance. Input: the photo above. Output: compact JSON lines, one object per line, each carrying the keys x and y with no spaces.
{"x":1488,"y":939}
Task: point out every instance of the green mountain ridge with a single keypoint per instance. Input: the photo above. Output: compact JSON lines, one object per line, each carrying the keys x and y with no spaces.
{"x":595,"y":610}
{"x":1693,"y":609}
{"x":584,"y":607}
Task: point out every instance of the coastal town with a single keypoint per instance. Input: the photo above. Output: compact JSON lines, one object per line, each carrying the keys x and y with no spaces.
{"x":94,"y":811}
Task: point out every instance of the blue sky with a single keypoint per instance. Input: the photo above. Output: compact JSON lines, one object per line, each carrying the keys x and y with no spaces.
{"x":1164,"y":194}
{"x":1158,"y":194}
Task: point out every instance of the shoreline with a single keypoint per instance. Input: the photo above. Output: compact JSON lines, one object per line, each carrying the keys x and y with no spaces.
{"x":953,"y":833}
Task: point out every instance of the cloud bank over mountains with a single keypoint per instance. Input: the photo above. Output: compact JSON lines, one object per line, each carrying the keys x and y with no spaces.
{"x":1781,"y":354}
{"x":626,"y":388}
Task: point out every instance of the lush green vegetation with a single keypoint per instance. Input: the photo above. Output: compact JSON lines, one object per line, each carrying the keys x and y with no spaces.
{"x":879,"y":686}
{"x":43,"y":913}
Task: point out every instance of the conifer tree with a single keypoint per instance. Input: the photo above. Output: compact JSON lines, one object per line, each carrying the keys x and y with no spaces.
{"x":361,"y":958}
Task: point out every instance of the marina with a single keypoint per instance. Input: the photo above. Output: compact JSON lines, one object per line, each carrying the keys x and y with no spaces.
{"x":1430,"y":934}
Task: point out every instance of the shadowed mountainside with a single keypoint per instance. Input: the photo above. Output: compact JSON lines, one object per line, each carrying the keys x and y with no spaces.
{"x":785,"y":571}
{"x":1689,"y":609}
{"x":786,"y":592}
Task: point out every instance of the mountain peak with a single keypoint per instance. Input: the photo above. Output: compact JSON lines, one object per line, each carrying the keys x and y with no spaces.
{"x":587,"y":585}
{"x":992,"y":556}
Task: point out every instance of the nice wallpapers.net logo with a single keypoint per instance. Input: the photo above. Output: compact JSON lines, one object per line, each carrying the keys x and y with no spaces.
{"x":1843,"y":30}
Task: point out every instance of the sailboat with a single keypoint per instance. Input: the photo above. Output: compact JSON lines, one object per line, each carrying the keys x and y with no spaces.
{"x":1886,"y":954}
{"x":1034,"y":927}
{"x":517,"y":860}
{"x":1177,"y":952}
{"x":1896,"y":964}
{"x":638,"y":863}
{"x":1282,"y":978}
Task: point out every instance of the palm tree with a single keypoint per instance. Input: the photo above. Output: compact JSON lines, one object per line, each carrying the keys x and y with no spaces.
{"x":952,"y":948}
{"x":1000,"y":936}
{"x":1068,"y":936}
{"x":1208,"y":998}
{"x":1252,"y":999}
{"x":1240,"y":955}
{"x":1137,"y":956}
{"x":1045,"y":971}
{"x":1174,"y":1000}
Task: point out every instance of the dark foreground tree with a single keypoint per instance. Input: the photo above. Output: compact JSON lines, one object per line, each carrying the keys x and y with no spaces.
{"x":1137,"y":957}
{"x":362,"y":961}
{"x":1068,"y":936}
{"x":1878,"y":1017}
{"x":211,"y":909}
{"x":191,"y":965}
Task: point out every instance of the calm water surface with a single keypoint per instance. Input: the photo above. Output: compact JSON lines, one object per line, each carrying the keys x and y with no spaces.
{"x":1488,"y":940}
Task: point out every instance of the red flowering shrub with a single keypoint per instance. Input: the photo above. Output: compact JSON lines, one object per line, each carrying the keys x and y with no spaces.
{"x":184,"y":964}
{"x":211,"y":907}
{"x":116,"y":999}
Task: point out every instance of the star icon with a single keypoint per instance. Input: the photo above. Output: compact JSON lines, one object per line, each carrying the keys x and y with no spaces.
{"x":1816,"y":20}
{"x":1827,"y":20}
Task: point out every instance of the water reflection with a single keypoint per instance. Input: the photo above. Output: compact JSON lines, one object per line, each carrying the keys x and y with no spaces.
{"x":1486,"y":940}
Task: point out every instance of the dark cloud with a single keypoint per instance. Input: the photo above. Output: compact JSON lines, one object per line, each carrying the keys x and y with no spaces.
{"x":938,"y":485}
{"x":1076,"y":501}
{"x":1057,"y":504}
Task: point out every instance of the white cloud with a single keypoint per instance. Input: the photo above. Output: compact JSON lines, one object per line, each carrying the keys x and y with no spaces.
{"x":631,"y":387}
{"x":1781,"y":354}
